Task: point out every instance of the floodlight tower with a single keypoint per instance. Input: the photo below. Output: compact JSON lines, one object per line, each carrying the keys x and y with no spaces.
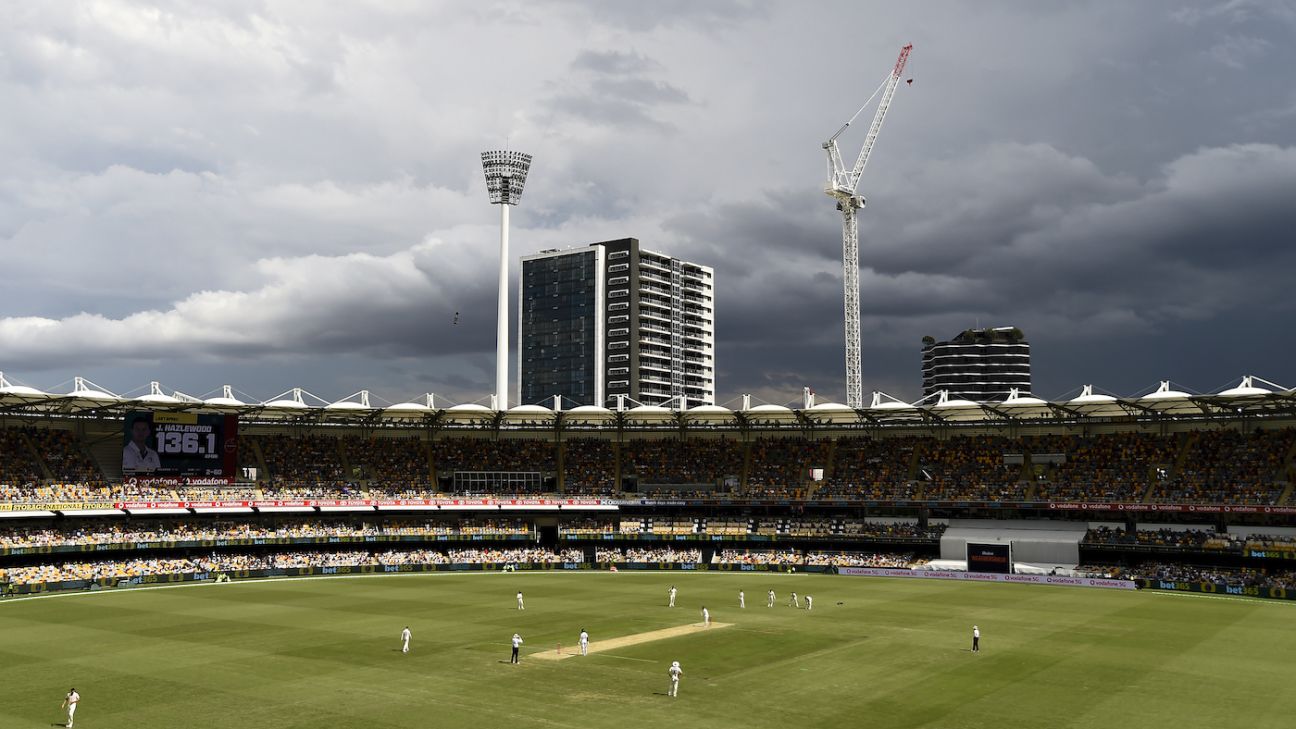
{"x":506,"y":173}
{"x":842,"y":186}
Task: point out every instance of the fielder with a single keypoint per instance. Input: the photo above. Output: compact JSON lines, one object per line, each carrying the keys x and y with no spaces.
{"x":706,"y":617}
{"x":672,"y":597}
{"x":795,"y":602}
{"x":70,"y":703}
{"x":809,"y":603}
{"x":584,"y":642}
{"x":770,"y":604}
{"x":519,"y":599}
{"x":517,"y":642}
{"x":675,"y":673}
{"x":976,"y":640}
{"x":405,"y":636}
{"x":742,"y":600}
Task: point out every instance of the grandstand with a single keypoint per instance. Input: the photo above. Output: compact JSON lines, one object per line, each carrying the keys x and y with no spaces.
{"x":1155,"y":485}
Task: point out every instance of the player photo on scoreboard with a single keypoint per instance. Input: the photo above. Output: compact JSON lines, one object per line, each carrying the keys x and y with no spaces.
{"x":139,"y":455}
{"x":179,"y":444}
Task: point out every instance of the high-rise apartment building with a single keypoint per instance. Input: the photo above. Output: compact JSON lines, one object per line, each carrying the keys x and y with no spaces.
{"x":614,"y":319}
{"x":979,"y":364}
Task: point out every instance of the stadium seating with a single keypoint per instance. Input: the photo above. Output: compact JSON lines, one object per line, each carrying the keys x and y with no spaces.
{"x":761,"y":505}
{"x":970,"y":468}
{"x":874,"y":469}
{"x":480,"y":454}
{"x":1115,"y":467}
{"x":589,"y":467}
{"x":97,"y":532}
{"x":396,"y":465}
{"x":781,"y":467}
{"x":1177,"y":572}
{"x":62,"y":571}
{"x":1166,"y":538}
{"x":671,"y":461}
{"x":1227,"y":467}
{"x":1207,"y":466}
{"x":19,"y":469}
{"x":298,"y":464}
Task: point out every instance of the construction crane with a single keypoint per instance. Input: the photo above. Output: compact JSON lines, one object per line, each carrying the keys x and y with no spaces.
{"x":842,"y":185}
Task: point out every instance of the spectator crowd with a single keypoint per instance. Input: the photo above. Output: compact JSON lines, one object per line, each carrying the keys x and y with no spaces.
{"x":1223,"y":466}
{"x":98,"y":532}
{"x":234,"y":562}
{"x":1193,"y":539}
{"x":1176,"y":572}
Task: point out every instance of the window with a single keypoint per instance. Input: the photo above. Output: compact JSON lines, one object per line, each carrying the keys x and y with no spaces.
{"x":619,"y":383}
{"x":619,"y":358}
{"x":618,"y":293}
{"x":618,"y":267}
{"x":618,"y":280}
{"x":618,"y":345}
{"x":619,"y":371}
{"x":619,"y":319}
{"x":621,"y":306}
{"x":618,"y":254}
{"x":618,"y":332}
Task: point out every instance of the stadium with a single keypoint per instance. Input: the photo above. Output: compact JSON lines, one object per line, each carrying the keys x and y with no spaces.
{"x":647,"y":516}
{"x":1064,"y":530}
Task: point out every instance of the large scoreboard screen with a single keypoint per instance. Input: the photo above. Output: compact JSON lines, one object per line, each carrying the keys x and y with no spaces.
{"x":990,"y":558}
{"x":180,"y":445}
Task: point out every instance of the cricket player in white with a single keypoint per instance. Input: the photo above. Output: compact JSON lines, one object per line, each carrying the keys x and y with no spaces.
{"x":706,"y":617}
{"x":520,"y":605}
{"x":405,"y":636}
{"x":809,"y":603}
{"x":584,"y":642}
{"x":742,"y":599}
{"x":672,"y":597}
{"x":770,"y":604}
{"x":675,"y":673}
{"x":70,"y":703}
{"x":795,"y":601}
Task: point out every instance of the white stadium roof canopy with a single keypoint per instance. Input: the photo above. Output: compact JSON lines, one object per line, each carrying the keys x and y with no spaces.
{"x":1249,"y":395}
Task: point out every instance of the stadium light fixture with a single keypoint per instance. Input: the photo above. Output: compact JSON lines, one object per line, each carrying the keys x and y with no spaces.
{"x":506,"y":173}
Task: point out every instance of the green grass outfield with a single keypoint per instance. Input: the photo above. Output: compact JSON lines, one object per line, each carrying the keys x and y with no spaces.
{"x":324,"y":653}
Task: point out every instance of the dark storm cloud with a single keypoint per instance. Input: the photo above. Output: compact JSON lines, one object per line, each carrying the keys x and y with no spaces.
{"x":398,"y":305}
{"x":290,"y":194}
{"x":1107,"y":264}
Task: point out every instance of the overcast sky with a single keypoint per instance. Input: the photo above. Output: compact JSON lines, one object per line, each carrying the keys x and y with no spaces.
{"x":279,"y":194}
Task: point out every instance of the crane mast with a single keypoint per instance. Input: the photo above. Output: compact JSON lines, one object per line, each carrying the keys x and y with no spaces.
{"x":842,"y":186}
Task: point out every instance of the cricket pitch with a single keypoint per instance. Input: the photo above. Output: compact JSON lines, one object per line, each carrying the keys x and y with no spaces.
{"x":627,"y":640}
